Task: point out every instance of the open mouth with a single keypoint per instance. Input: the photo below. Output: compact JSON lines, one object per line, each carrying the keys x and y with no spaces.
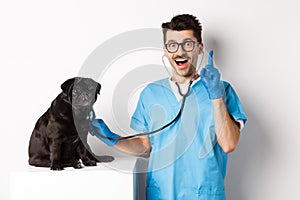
{"x":181,"y":61}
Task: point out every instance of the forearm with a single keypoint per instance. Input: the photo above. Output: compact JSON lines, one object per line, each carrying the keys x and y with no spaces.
{"x":139,"y":146}
{"x":226,"y":128}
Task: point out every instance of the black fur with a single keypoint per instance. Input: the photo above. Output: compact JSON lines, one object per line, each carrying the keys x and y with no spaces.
{"x":59,"y":138}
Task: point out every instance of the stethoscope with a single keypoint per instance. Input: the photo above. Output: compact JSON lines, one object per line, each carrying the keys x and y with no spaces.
{"x":172,"y":121}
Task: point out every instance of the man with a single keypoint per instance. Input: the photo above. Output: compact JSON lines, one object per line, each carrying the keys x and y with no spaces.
{"x":188,"y":159}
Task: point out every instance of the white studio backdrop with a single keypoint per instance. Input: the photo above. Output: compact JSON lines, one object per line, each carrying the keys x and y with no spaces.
{"x":256,"y":46}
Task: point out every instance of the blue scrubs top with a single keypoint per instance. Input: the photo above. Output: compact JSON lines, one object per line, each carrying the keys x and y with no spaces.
{"x":186,"y":162}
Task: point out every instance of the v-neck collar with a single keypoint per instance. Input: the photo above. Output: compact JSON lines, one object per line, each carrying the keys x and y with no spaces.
{"x":175,"y":91}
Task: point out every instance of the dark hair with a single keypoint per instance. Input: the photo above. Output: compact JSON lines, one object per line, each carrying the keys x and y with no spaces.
{"x":183,"y":22}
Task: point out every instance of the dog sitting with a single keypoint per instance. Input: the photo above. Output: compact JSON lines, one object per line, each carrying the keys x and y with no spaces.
{"x":59,"y":138}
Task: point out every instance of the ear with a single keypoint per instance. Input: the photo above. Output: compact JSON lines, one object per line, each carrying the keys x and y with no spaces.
{"x":201,"y":46}
{"x":98,"y":88}
{"x":67,"y":84}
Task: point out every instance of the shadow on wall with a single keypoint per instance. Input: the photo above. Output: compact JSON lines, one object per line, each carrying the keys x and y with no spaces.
{"x":245,"y":163}
{"x":211,"y":43}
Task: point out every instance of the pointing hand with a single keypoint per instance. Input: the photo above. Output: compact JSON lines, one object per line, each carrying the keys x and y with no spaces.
{"x":211,"y":78}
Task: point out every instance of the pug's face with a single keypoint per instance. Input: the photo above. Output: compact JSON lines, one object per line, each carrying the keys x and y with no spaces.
{"x":81,"y":92}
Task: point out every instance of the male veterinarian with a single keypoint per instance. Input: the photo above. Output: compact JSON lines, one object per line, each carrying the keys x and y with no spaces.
{"x":187,"y":160}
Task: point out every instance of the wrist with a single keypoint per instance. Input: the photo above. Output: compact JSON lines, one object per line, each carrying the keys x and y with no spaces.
{"x":217,"y":102}
{"x":215,"y":93}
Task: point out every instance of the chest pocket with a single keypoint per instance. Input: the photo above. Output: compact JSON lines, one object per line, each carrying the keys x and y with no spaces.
{"x":158,"y":116}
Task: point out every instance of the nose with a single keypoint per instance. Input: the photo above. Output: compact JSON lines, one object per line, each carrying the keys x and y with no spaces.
{"x":84,"y":95}
{"x":180,"y":50}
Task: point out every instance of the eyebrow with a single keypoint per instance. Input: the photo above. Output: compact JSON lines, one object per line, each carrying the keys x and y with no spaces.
{"x":186,"y":39}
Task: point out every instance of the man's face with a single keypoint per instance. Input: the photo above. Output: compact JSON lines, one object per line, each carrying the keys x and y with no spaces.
{"x":183,"y":62}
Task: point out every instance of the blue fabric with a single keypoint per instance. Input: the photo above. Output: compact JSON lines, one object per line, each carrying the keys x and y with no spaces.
{"x":186,"y":162}
{"x":211,"y":78}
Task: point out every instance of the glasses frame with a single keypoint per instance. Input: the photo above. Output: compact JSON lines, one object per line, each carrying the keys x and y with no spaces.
{"x":182,"y":46}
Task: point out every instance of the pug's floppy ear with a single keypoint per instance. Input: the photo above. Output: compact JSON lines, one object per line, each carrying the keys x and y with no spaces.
{"x":98,"y":88}
{"x":67,"y":84}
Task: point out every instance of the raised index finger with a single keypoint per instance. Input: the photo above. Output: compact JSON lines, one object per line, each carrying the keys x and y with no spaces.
{"x":210,"y":58}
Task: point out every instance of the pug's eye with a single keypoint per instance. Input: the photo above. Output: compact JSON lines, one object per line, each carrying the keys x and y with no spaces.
{"x":75,"y":91}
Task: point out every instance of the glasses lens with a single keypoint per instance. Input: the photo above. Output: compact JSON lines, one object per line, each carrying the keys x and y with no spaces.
{"x":188,"y":45}
{"x":172,"y":46}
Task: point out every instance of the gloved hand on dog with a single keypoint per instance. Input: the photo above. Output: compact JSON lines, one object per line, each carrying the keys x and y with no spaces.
{"x":211,"y":78}
{"x":101,"y":131}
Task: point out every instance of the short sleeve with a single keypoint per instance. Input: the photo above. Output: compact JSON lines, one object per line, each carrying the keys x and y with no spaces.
{"x":139,"y":120}
{"x":233,"y":104}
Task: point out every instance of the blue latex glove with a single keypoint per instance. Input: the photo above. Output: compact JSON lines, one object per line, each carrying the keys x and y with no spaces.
{"x":211,"y":78}
{"x":101,"y":129}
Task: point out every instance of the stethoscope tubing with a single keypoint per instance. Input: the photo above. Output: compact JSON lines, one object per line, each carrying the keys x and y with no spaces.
{"x":166,"y":125}
{"x":157,"y":130}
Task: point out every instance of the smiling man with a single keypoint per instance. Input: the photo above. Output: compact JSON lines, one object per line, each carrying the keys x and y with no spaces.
{"x":188,"y":159}
{"x":182,"y":49}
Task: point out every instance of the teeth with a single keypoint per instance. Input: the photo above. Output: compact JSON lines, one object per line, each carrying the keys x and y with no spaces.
{"x":180,"y":60}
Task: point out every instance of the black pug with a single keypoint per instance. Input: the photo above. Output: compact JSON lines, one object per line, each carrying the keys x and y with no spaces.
{"x":59,"y":138}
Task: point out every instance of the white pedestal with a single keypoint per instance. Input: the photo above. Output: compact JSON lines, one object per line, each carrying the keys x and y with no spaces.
{"x":104,"y":181}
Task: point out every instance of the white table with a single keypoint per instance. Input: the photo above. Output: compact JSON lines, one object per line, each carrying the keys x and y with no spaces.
{"x":105,"y":181}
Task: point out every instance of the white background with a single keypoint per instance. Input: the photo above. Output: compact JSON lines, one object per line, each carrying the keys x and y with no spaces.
{"x":256,"y":43}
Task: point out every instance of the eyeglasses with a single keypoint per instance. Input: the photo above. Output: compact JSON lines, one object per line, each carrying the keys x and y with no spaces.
{"x":187,"y":46}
